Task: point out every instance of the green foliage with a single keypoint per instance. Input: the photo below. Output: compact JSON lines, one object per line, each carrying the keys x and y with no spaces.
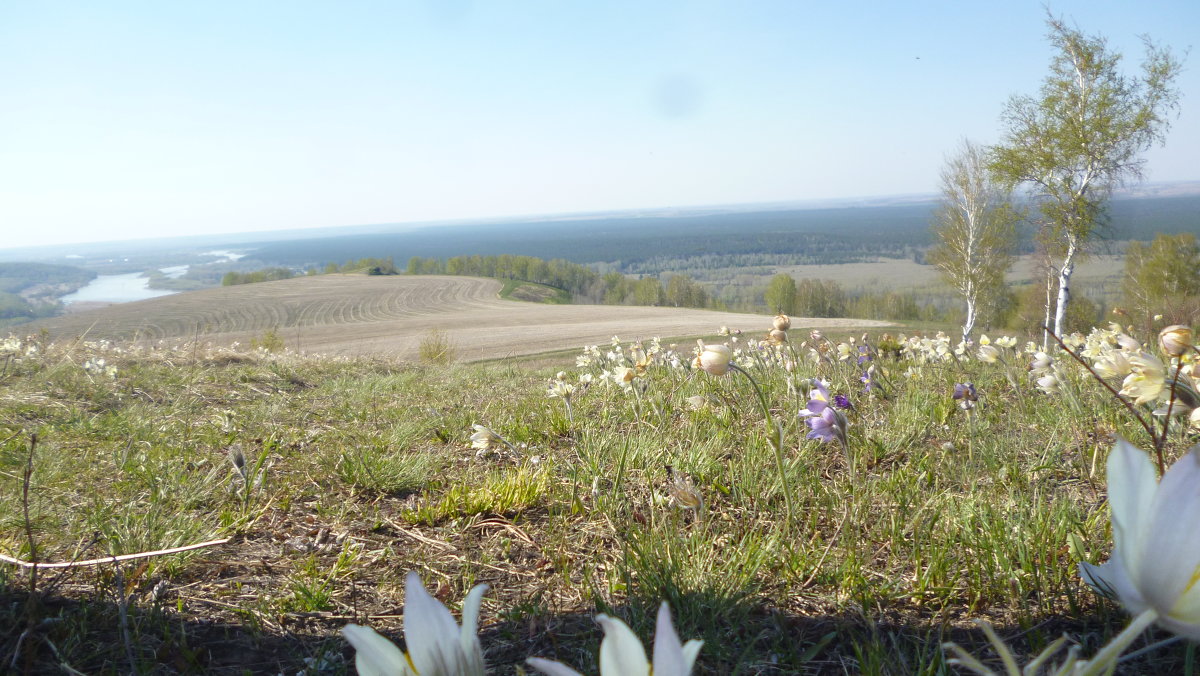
{"x":780,"y":295}
{"x":232,"y":278}
{"x":1083,"y":136}
{"x":18,"y":277}
{"x":820,"y":298}
{"x":1163,"y":277}
{"x":270,"y":341}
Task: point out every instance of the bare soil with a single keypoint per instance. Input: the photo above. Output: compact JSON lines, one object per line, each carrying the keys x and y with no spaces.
{"x":355,"y":314}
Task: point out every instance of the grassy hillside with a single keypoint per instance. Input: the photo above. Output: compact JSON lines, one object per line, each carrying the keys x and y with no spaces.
{"x":333,"y":477}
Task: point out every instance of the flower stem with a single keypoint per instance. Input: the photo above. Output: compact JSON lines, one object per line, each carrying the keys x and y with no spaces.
{"x":775,"y":436}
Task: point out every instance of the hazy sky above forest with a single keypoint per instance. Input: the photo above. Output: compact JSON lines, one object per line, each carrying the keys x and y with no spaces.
{"x":123,"y":120}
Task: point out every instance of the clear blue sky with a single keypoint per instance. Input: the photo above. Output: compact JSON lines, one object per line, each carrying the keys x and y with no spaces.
{"x":134,"y":119}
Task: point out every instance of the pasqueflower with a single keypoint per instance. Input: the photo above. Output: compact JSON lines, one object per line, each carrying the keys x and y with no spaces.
{"x":437,"y":646}
{"x":1155,"y":563}
{"x":621,"y":653}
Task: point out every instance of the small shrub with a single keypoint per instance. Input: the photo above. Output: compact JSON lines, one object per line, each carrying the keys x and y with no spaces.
{"x":269,"y":341}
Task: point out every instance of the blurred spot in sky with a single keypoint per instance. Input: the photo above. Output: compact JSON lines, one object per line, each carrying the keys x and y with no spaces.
{"x":677,"y":95}
{"x":448,"y":13}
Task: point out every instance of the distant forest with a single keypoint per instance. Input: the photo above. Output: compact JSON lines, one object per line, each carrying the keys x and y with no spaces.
{"x":653,"y":245}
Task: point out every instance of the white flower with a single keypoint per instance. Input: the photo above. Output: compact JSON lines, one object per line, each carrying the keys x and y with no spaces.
{"x":484,"y":438}
{"x":1146,"y":381}
{"x":1155,"y":564}
{"x":988,"y":354}
{"x":715,"y":359}
{"x":437,"y":646}
{"x":621,"y":653}
{"x":560,"y":389}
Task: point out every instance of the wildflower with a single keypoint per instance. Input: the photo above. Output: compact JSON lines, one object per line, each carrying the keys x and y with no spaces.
{"x":1156,"y":551}
{"x":965,"y":395}
{"x":781,"y":322}
{"x":683,"y":491}
{"x":1147,"y":379}
{"x":697,"y":402}
{"x":1041,"y":364}
{"x":621,"y":653}
{"x":1175,"y":340}
{"x":988,"y":353}
{"x":825,"y":422}
{"x":623,"y":376}
{"x":1049,"y":384}
{"x":715,"y":359}
{"x":641,"y":360}
{"x":484,"y":438}
{"x":1006,"y":341}
{"x":777,"y":336}
{"x":1113,"y":364}
{"x":561,"y":389}
{"x":842,"y":401}
{"x":437,"y":646}
{"x":1128,"y":343}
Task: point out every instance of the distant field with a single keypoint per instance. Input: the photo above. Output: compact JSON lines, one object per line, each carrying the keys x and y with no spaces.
{"x":353,"y":314}
{"x":900,"y":273}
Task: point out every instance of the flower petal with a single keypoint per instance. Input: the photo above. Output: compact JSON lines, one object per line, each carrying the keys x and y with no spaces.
{"x":691,"y":650}
{"x":1111,"y":579}
{"x":1131,"y":490}
{"x":668,"y":654}
{"x":429,"y":630}
{"x":1170,"y":563}
{"x":468,"y":636}
{"x":621,"y":652}
{"x":374,"y":655}
{"x":550,"y":667}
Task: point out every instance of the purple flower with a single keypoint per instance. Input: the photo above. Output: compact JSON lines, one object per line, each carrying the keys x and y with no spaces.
{"x":842,"y":401}
{"x":866,"y":381}
{"x":825,"y":422}
{"x":864,"y":354}
{"x":824,"y":426}
{"x":966,"y":396}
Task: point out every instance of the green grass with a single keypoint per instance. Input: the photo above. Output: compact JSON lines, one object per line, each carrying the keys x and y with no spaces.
{"x":534,"y":293}
{"x":353,"y":471}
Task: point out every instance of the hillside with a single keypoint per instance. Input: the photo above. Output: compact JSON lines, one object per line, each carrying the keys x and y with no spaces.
{"x":353,"y":314}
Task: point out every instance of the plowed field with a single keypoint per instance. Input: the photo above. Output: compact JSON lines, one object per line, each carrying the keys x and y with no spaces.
{"x":354,"y":314}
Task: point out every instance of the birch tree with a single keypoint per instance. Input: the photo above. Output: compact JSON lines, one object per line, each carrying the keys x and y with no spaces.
{"x":975,"y":227}
{"x":1081,"y":137}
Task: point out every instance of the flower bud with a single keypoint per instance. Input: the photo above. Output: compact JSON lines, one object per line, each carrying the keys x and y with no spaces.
{"x":782,"y":322}
{"x":715,"y":359}
{"x":777,"y":336}
{"x":1175,"y":340}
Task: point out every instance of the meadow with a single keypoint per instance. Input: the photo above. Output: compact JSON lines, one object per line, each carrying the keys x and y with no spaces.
{"x":607,"y":481}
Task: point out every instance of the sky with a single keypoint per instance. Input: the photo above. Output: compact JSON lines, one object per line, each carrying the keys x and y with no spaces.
{"x":126,"y":120}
